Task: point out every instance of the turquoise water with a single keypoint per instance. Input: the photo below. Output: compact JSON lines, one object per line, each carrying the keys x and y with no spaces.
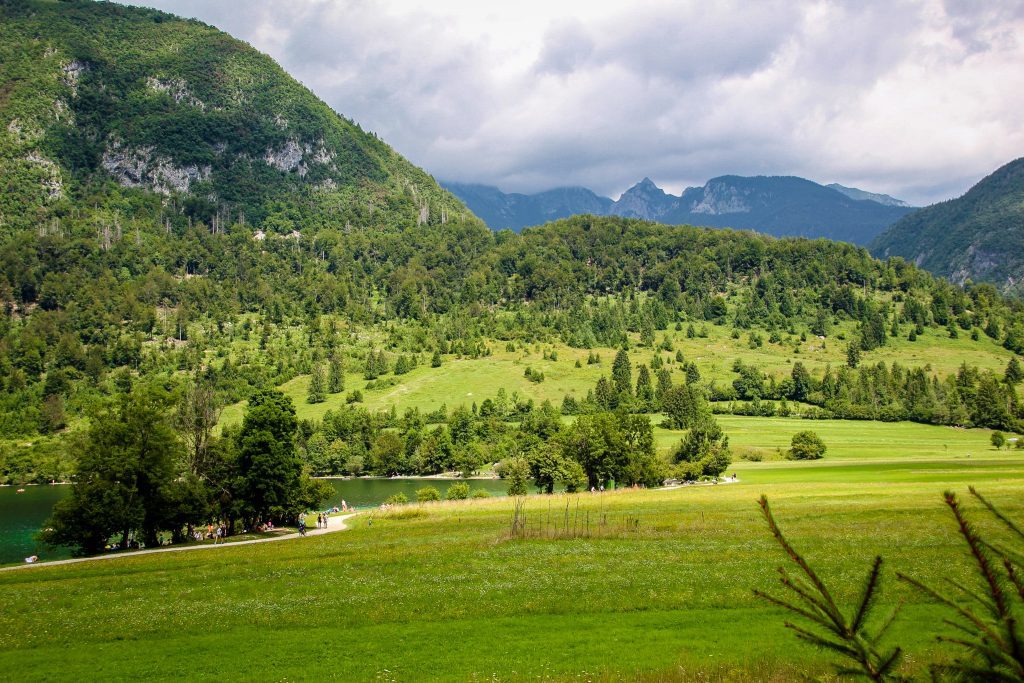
{"x":22,"y":515}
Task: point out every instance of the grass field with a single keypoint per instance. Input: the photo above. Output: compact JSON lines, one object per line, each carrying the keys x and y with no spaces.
{"x":445,"y":594}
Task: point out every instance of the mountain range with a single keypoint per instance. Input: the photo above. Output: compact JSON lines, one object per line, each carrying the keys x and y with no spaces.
{"x":775,"y":205}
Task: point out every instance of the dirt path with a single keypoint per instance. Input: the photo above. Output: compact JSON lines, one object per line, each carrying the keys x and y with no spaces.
{"x":335,"y":524}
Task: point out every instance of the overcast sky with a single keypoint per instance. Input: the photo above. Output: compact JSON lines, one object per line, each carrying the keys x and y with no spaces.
{"x":919,"y":99}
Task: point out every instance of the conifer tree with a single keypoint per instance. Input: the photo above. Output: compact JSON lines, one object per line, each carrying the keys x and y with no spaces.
{"x":622,"y":373}
{"x":664,"y":382}
{"x":317,"y":388}
{"x":644,"y":389}
{"x":336,"y":375}
{"x":1014,"y":373}
{"x":853,"y":354}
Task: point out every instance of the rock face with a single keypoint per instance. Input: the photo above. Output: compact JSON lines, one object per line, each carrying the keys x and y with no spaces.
{"x":644,"y":200}
{"x":140,"y":167}
{"x":177,"y":89}
{"x":774,"y":205}
{"x":720,"y":198}
{"x":294,"y":156}
{"x":977,"y":237}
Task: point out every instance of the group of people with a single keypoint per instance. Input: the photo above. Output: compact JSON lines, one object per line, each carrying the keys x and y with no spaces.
{"x":218,"y":533}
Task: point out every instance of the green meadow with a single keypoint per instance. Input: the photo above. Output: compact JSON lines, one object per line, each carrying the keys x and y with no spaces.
{"x":659,"y":587}
{"x":464,"y":381}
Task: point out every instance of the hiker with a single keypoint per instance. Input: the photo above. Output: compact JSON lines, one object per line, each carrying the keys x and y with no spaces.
{"x":325,"y":520}
{"x":302,"y":526}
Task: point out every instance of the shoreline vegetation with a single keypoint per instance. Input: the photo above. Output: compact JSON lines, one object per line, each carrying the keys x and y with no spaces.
{"x":282,"y":534}
{"x":290,"y":532}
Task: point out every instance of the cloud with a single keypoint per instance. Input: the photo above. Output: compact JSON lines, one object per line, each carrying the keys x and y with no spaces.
{"x":917,"y":98}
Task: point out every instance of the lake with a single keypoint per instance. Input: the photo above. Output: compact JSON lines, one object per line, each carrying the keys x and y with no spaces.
{"x":23,"y":514}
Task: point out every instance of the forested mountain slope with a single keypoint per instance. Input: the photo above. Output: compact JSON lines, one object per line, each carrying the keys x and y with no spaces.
{"x":97,"y":99}
{"x":979,"y":236}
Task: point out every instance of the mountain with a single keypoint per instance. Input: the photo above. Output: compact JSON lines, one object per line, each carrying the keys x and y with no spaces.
{"x":783,"y":206}
{"x":780,"y":206}
{"x":645,"y":200}
{"x":516,"y":211}
{"x":979,"y":236}
{"x":102,"y":98}
{"x":854,"y":193}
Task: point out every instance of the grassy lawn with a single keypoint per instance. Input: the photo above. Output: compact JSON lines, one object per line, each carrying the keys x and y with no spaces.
{"x":445,"y":594}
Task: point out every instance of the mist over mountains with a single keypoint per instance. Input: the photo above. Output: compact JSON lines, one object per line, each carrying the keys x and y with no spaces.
{"x":775,"y":205}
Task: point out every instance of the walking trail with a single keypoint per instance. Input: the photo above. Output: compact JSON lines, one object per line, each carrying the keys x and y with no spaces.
{"x":337,"y":522}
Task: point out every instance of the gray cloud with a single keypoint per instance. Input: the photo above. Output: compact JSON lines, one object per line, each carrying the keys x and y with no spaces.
{"x":917,"y":98}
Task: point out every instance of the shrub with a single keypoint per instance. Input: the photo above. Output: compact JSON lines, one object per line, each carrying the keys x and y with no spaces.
{"x":397,"y":499}
{"x":427,"y":494}
{"x":457,"y":491}
{"x":481,"y":493}
{"x":806,"y":445}
{"x":998,"y":439}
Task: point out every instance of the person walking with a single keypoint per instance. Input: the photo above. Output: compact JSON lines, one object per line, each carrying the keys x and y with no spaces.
{"x":302,"y":526}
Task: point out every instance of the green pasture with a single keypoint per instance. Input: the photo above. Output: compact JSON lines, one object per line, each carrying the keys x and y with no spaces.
{"x":661,"y":591}
{"x":463,"y":381}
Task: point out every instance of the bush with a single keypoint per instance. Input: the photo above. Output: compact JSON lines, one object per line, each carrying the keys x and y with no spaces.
{"x":397,"y":499}
{"x":998,"y":439}
{"x":457,"y":491}
{"x":806,"y":445}
{"x":427,"y":494}
{"x":481,"y":493}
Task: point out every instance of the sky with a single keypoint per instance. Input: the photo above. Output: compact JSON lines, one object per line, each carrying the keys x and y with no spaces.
{"x":915,"y":98}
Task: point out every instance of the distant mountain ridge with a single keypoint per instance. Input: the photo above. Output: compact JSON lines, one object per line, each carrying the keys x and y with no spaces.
{"x":854,"y":193}
{"x":978,"y":237}
{"x":513,"y":210}
{"x":776,"y":205}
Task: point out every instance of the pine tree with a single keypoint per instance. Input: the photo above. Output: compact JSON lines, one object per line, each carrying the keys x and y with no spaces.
{"x":692,"y":373}
{"x":604,"y":394}
{"x":317,"y":389}
{"x":644,"y":389}
{"x":1014,"y":373}
{"x":435,"y":360}
{"x":853,"y":354}
{"x":664,"y":382}
{"x":622,"y":373}
{"x":336,"y":375}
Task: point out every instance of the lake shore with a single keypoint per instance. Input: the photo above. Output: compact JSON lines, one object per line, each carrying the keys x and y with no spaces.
{"x":340,"y":526}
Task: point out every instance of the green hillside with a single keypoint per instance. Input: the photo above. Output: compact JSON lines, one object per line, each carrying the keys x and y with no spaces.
{"x":98,"y":98}
{"x":977,"y":237}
